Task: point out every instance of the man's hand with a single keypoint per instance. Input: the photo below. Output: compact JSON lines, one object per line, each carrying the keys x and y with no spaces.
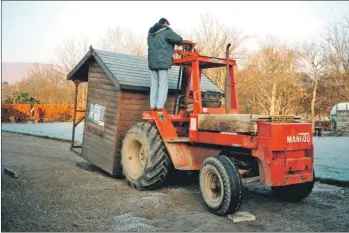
{"x":188,"y":42}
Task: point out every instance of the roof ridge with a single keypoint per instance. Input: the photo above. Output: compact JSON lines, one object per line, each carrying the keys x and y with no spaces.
{"x":128,"y":70}
{"x":119,"y":53}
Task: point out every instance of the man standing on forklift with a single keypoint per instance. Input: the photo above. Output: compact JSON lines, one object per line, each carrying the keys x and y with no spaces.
{"x":161,"y":42}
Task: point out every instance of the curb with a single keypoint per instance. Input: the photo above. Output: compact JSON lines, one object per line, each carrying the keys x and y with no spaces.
{"x":39,"y":136}
{"x":341,"y":183}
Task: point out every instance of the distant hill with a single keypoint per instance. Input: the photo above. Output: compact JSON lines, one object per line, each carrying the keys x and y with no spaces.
{"x":16,"y":71}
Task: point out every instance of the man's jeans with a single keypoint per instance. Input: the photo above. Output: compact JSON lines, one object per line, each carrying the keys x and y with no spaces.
{"x":158,"y":88}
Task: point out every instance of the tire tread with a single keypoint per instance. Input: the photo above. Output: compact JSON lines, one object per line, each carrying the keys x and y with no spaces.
{"x":232,"y":184}
{"x":159,"y":164}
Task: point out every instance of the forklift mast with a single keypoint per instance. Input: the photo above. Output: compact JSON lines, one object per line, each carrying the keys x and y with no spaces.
{"x":192,"y":65}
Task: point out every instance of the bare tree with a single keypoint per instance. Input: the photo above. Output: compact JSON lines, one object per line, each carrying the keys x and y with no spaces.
{"x":123,"y":41}
{"x":113,"y":39}
{"x":71,"y":51}
{"x":212,"y":38}
{"x":337,"y":56}
{"x":7,"y":90}
{"x":269,"y":83}
{"x":135,"y":44}
{"x":314,"y":58}
{"x":48,"y":84}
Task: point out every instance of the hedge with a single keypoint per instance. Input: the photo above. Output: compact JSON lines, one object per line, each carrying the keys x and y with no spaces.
{"x":42,"y":112}
{"x":15,"y":112}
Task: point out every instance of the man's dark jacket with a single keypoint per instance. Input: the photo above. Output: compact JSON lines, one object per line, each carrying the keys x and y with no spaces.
{"x":161,"y":41}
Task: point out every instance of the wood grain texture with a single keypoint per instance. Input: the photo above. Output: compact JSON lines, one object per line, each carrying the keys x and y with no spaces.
{"x":238,"y":123}
{"x":99,"y":141}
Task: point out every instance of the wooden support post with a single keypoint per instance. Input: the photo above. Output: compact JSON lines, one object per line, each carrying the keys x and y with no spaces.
{"x":79,"y":121}
{"x":250,"y":180}
{"x":76,"y":82}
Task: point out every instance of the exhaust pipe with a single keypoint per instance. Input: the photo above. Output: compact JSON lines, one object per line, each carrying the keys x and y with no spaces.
{"x":227,"y":83}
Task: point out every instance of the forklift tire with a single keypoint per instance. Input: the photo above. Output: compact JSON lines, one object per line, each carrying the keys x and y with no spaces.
{"x":294,"y":192}
{"x":145,"y":162}
{"x":221,"y":185}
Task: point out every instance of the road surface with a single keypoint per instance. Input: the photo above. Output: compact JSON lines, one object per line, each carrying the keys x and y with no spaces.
{"x":53,"y":194}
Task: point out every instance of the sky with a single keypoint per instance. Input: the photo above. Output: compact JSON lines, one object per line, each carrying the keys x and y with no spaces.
{"x":32,"y":31}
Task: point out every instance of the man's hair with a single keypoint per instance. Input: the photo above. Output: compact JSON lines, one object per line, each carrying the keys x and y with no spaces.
{"x":163,"y":21}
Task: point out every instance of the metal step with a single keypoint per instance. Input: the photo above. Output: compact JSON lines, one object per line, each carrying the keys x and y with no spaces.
{"x":180,"y":139}
{"x":243,"y":172}
{"x":250,"y":180}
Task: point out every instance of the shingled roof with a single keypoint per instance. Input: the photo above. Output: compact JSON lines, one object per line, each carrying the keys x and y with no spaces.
{"x":129,"y":71}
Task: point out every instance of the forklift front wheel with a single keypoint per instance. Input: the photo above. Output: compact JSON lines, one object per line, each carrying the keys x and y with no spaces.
{"x":145,"y":162}
{"x":220,"y":185}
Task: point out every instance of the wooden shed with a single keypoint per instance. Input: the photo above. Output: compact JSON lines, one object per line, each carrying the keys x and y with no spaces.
{"x":118,"y":92}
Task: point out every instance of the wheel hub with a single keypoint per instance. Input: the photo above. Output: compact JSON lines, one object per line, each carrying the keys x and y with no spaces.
{"x":213,"y":187}
{"x":136,"y":159}
{"x":220,"y":185}
{"x":142,"y":156}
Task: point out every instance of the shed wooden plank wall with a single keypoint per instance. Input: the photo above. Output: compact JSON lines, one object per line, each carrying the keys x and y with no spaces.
{"x":99,"y":141}
{"x":131,"y":106}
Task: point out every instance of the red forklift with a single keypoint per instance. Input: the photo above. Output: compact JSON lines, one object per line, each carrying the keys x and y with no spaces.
{"x":228,"y":148}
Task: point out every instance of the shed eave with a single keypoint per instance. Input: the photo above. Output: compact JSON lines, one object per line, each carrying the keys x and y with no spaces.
{"x":106,"y":70}
{"x":89,"y":54}
{"x":78,"y":66}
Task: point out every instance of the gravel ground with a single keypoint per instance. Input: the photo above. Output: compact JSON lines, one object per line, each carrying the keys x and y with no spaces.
{"x":53,"y":194}
{"x":331,"y":153}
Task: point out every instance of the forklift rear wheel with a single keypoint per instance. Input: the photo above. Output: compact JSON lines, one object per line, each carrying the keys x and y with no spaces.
{"x":144,"y":158}
{"x":220,"y":185}
{"x":294,"y":192}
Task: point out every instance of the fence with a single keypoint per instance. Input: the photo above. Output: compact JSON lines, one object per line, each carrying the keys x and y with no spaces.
{"x":41,"y":112}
